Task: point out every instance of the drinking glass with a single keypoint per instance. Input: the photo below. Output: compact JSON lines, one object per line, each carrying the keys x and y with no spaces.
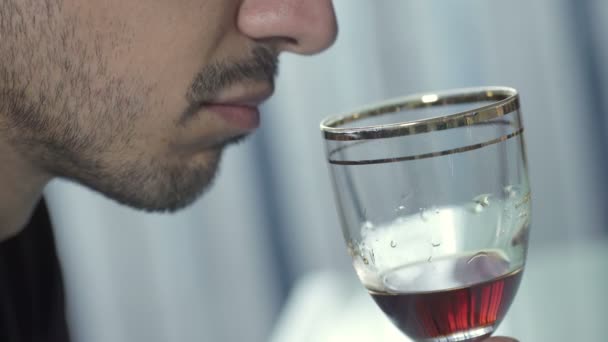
{"x":433,"y":196}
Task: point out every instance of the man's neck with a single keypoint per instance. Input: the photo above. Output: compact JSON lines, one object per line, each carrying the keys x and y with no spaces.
{"x":21,"y":186}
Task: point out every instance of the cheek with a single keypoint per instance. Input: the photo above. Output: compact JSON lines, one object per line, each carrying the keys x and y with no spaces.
{"x":152,"y":50}
{"x":160,"y":45}
{"x":165,"y":41}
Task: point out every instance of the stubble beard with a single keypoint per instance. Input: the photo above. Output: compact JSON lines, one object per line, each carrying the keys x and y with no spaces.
{"x":55,"y":119}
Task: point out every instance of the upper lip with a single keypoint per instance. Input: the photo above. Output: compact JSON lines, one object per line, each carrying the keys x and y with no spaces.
{"x":248,"y":99}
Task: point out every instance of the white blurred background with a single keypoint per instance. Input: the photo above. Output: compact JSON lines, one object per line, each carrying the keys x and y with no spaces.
{"x":261,"y":256}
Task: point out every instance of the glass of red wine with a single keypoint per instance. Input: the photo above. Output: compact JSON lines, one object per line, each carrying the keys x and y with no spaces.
{"x":433,"y":195}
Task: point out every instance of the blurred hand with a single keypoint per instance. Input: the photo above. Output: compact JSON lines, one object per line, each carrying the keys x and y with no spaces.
{"x":500,"y":339}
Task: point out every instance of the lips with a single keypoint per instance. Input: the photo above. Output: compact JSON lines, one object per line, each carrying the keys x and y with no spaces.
{"x":226,"y":118}
{"x":243,"y":117}
{"x":240,"y":109}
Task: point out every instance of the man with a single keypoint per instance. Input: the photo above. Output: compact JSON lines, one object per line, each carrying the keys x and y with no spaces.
{"x":133,"y":98}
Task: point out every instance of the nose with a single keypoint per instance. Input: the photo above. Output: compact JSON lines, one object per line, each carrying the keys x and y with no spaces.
{"x":299,"y":26}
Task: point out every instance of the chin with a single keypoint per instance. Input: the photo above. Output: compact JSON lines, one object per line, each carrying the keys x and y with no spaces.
{"x":168,"y":195}
{"x":176,"y":189}
{"x":153,"y":186}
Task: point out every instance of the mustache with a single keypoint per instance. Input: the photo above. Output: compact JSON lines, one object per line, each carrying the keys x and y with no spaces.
{"x":262,"y":66}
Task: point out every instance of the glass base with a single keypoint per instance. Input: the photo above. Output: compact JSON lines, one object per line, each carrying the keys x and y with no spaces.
{"x":477,"y":334}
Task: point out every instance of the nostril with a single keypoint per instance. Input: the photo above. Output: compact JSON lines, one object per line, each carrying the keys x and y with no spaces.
{"x":287,"y":43}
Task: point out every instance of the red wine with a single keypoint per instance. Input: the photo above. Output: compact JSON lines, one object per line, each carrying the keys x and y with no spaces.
{"x":423,"y":308}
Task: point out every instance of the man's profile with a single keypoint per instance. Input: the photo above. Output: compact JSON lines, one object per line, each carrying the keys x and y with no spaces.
{"x":132,"y":98}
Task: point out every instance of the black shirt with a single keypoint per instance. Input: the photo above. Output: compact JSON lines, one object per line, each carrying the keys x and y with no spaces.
{"x":31,"y":287}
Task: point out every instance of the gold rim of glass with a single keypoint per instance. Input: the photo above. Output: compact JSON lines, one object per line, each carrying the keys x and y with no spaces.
{"x":506,"y":101}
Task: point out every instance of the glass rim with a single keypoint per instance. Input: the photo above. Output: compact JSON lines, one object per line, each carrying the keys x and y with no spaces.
{"x":506,"y":101}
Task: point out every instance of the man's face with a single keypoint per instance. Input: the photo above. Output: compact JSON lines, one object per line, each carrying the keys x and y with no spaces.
{"x":137,"y":98}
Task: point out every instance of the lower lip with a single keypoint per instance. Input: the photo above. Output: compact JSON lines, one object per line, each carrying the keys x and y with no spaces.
{"x":243,"y":117}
